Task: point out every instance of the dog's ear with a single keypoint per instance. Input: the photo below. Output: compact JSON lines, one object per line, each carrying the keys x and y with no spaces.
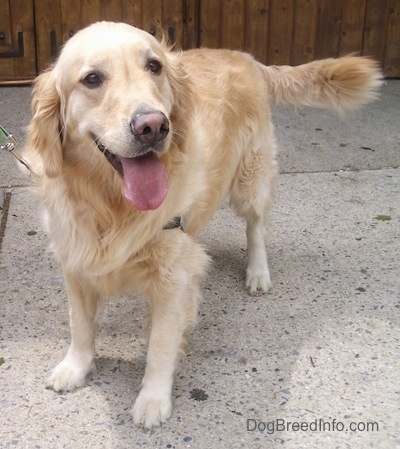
{"x":44,"y":130}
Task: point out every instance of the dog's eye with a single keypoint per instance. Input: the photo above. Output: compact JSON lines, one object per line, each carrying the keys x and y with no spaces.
{"x":92,"y":80}
{"x":154,"y":66}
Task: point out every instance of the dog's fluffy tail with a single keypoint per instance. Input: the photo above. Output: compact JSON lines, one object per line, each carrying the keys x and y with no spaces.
{"x":342,"y":83}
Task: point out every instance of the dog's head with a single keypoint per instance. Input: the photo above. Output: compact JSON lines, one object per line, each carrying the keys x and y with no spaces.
{"x":113,"y":92}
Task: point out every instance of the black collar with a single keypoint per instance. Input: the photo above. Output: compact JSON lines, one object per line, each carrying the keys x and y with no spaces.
{"x":174,"y":223}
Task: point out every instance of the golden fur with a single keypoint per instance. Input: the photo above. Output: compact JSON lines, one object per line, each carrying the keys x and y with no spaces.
{"x":220,"y":144}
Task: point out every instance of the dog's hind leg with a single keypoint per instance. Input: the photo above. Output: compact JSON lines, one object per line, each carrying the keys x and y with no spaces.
{"x":168,"y":275}
{"x":251,"y":196}
{"x":84,"y":303}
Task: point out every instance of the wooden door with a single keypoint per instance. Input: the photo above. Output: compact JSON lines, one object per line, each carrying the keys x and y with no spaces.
{"x":274,"y":31}
{"x":17,"y":41}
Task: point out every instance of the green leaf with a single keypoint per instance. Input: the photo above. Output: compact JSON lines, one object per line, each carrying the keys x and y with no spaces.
{"x":383,"y":217}
{"x":2,"y":361}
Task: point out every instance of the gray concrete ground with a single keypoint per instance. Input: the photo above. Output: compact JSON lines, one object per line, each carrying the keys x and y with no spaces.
{"x":313,"y":364}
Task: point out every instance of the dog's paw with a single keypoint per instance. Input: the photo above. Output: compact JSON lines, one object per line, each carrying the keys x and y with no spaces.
{"x":258,"y":281}
{"x":151,"y":410}
{"x":68,"y":376}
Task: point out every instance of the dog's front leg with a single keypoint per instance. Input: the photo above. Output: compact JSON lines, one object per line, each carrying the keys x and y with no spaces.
{"x":171,"y":280}
{"x":84,"y":302}
{"x":153,"y":405}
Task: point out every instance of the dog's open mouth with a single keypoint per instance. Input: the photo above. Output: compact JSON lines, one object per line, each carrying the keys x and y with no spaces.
{"x":144,"y":177}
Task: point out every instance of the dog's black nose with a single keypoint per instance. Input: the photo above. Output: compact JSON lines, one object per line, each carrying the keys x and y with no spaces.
{"x":150,"y":127}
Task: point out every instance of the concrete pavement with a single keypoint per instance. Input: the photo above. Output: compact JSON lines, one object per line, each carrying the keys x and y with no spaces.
{"x":313,"y":364}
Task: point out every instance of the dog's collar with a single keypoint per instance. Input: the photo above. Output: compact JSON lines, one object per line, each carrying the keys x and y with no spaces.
{"x":176,"y":222}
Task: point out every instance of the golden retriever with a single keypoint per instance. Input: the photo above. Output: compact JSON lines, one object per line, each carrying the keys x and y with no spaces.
{"x":125,"y":137}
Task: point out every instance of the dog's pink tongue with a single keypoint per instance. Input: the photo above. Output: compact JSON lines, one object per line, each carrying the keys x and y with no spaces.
{"x":145,"y":181}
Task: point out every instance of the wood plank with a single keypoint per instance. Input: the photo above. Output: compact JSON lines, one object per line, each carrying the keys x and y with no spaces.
{"x":257,"y":29}
{"x":6,"y":43}
{"x":18,"y":21}
{"x":5,"y":27}
{"x":70,"y":18}
{"x":111,"y":10}
{"x":132,"y":12}
{"x":328,"y":28}
{"x":392,"y":53}
{"x":304,"y":31}
{"x":191,"y":29}
{"x":48,"y":31}
{"x":22,"y":19}
{"x":172,"y":21}
{"x":210,"y":16}
{"x":352,"y":26}
{"x":281,"y":31}
{"x":151,"y":16}
{"x":90,"y":12}
{"x":232,"y":24}
{"x":375,"y":28}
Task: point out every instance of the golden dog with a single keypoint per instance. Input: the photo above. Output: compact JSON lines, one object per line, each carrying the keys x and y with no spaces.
{"x":127,"y":135}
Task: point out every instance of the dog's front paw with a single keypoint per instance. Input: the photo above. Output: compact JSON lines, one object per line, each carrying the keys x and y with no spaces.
{"x":68,"y":375}
{"x":151,"y":410}
{"x":258,"y":281}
